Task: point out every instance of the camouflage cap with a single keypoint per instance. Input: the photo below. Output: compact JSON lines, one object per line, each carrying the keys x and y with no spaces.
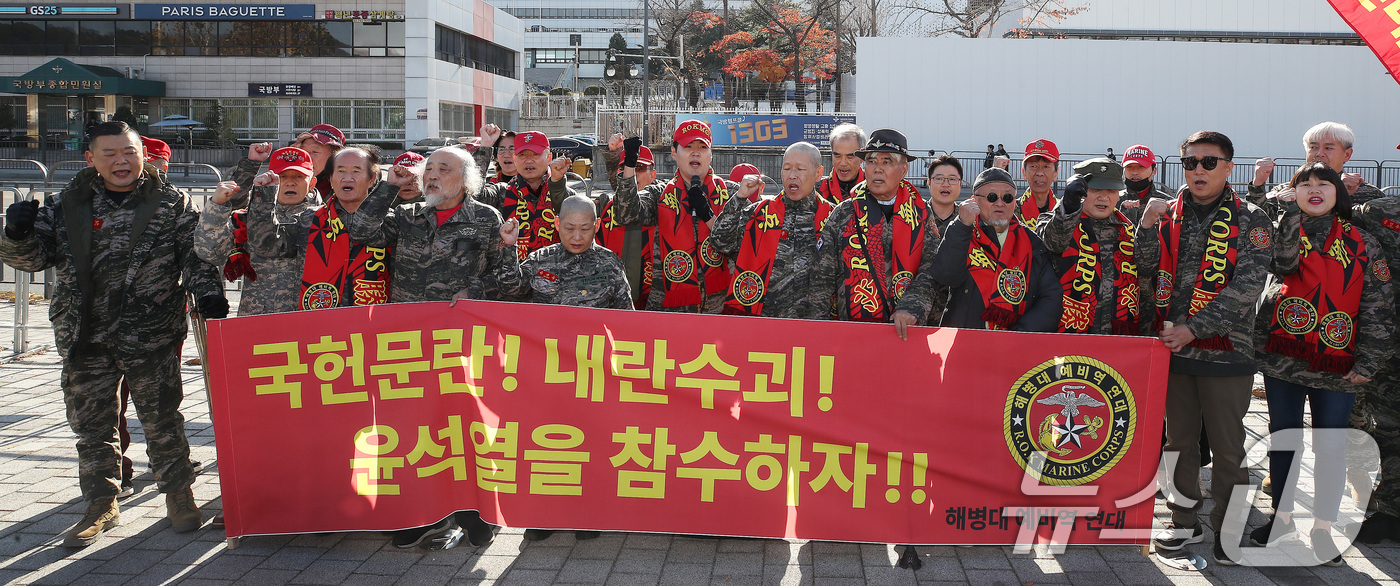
{"x":1103,"y":172}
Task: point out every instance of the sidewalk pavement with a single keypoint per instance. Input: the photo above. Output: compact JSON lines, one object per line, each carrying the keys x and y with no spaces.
{"x":39,"y":501}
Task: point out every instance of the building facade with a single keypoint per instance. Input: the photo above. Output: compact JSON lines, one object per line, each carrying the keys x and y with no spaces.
{"x":566,"y":41}
{"x":388,"y":72}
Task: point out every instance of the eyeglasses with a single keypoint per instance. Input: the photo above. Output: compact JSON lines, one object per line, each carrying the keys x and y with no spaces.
{"x":944,"y":180}
{"x":1189,"y":163}
{"x":1005,"y":197}
{"x":643,"y":168}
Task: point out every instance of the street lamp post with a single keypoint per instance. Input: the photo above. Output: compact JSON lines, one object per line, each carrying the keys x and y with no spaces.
{"x":646,"y":71}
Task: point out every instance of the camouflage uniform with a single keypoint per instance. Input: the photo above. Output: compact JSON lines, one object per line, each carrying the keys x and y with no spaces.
{"x":431,"y":262}
{"x":788,"y":284}
{"x":1377,"y":410}
{"x":1135,"y":213}
{"x":639,"y":208}
{"x":278,"y":286}
{"x":1056,"y":228}
{"x":592,"y":278}
{"x":286,"y":235}
{"x":946,"y":266}
{"x":829,"y":271}
{"x":119,"y":310}
{"x":1209,"y":389}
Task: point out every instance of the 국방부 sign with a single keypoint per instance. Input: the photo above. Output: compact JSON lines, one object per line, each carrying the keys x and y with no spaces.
{"x":768,"y":130}
{"x":289,"y":90}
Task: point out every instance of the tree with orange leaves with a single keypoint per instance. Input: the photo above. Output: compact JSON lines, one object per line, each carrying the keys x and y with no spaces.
{"x":787,"y":42}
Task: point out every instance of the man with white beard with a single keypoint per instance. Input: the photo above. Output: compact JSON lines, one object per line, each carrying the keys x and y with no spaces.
{"x":449,"y":246}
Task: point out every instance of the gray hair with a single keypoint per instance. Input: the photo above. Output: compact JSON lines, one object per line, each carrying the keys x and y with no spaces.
{"x":578,"y":204}
{"x":472,"y":182}
{"x":805,"y":148}
{"x":848,"y":130}
{"x":1333,"y":130}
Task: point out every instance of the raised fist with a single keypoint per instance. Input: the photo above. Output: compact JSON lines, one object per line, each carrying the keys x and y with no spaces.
{"x":490,"y":133}
{"x":226,"y":189}
{"x":1262,"y":169}
{"x":968,"y":211}
{"x":1153,"y":212}
{"x":615,"y":141}
{"x":558,"y":167}
{"x":1351,"y":181}
{"x":401,"y":176}
{"x":1286,"y":194}
{"x":751,"y":185}
{"x":265,"y":179}
{"x":510,"y":233}
{"x":260,"y":152}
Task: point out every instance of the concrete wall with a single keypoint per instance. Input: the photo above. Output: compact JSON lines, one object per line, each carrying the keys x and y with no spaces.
{"x":1088,"y":95}
{"x":1206,"y":15}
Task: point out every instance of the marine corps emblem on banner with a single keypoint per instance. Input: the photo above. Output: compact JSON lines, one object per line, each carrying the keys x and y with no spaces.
{"x":748,"y":288}
{"x":1078,"y":412}
{"x":320,"y":296}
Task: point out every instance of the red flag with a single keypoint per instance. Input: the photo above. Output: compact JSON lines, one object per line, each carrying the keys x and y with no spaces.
{"x":1378,"y":23}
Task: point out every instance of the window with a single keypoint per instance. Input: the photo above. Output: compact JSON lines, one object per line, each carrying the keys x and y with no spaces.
{"x":466,"y":50}
{"x":456,"y":119}
{"x":360,"y":120}
{"x":97,"y":37}
{"x":325,"y":38}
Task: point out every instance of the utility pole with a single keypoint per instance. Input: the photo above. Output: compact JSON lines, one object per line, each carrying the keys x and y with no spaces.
{"x":646,"y":71}
{"x":837,"y":103}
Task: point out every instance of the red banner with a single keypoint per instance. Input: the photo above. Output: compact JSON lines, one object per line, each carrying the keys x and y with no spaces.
{"x":1378,"y":23}
{"x":388,"y":417}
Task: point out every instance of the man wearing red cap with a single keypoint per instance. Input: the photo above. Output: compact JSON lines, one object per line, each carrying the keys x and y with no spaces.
{"x":411,"y":191}
{"x":270,"y":284}
{"x":693,"y":277}
{"x":533,"y":196}
{"x":1139,"y":167}
{"x":846,"y":172}
{"x":157,"y":153}
{"x":624,"y":235}
{"x":1039,"y":168}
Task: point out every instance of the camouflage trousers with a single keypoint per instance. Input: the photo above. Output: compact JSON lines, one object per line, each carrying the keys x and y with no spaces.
{"x":1377,"y":413}
{"x":89,"y":382}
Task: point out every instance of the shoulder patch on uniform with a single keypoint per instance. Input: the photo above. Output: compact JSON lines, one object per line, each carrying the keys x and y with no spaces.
{"x":548,"y":276}
{"x":1392,"y":224}
{"x":1380,"y":270}
{"x":1261,"y":237}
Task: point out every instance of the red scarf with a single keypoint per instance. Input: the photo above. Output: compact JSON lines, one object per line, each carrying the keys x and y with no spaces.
{"x":1216,"y":269}
{"x":498,"y":178}
{"x":1002,"y":273}
{"x":535,"y":212}
{"x":239,"y":264}
{"x":1081,"y":283}
{"x":611,"y":236}
{"x":679,"y":247}
{"x":1315,"y":316}
{"x":830,"y":187}
{"x":335,"y":265}
{"x":1028,"y":212}
{"x":871,"y":297}
{"x":758,"y":251}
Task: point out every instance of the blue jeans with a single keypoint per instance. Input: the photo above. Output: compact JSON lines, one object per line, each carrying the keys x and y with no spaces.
{"x":1330,"y":410}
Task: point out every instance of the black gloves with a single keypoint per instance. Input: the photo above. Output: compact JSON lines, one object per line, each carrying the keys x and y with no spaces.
{"x":19,"y":219}
{"x":696,"y":198}
{"x":212,"y":307}
{"x":630,"y":149}
{"x":1075,"y":192}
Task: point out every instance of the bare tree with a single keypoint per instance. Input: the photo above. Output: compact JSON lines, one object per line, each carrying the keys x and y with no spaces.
{"x":977,"y":18}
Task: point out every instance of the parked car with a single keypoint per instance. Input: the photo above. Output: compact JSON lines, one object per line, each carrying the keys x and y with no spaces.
{"x":570,"y":147}
{"x":591,"y":139}
{"x":426,"y":146}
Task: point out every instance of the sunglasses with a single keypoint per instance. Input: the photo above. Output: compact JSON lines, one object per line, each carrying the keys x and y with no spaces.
{"x":1189,"y":163}
{"x":1005,"y":197}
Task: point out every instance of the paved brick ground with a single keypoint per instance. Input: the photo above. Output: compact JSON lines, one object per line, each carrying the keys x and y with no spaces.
{"x":39,"y":500}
